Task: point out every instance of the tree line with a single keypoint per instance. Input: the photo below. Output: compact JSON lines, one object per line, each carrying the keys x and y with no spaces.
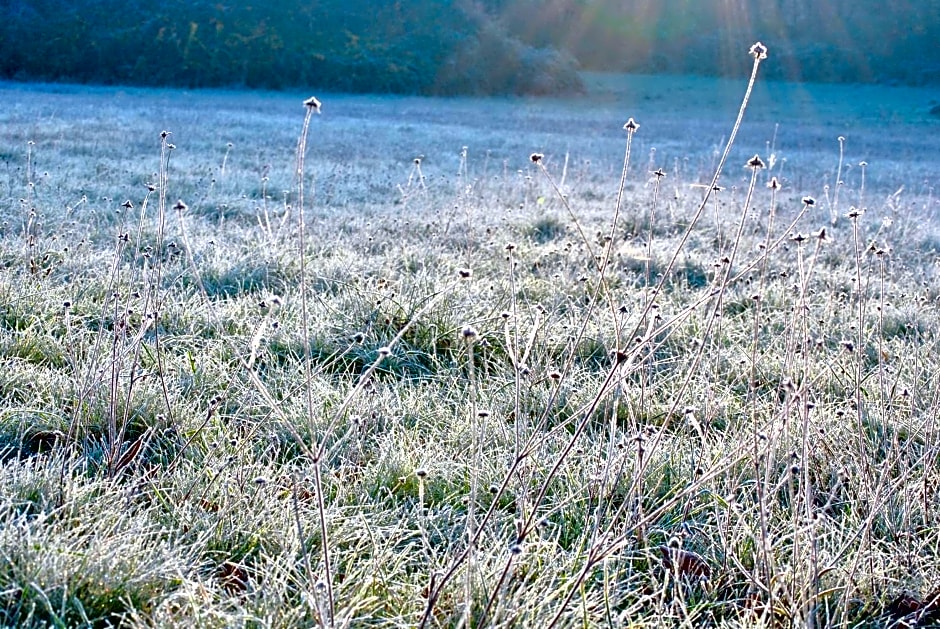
{"x":458,"y":46}
{"x":809,"y":40}
{"x":414,"y":46}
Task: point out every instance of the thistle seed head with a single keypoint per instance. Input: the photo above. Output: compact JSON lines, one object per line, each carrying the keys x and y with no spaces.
{"x":758,"y":51}
{"x":313,"y":103}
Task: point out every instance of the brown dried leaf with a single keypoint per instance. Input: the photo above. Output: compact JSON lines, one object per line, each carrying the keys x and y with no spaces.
{"x":684,"y":562}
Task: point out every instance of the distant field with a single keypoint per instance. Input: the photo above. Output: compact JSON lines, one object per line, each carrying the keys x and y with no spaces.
{"x":369,"y":142}
{"x":482,"y":390}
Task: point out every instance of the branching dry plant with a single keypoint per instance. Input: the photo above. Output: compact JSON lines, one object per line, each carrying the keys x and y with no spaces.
{"x":359,"y":388}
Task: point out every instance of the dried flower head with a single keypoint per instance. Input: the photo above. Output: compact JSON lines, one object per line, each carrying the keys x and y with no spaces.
{"x":312,"y":103}
{"x":809,"y":201}
{"x":469,"y":332}
{"x":755,"y":162}
{"x":180,"y":206}
{"x":536,"y":158}
{"x":631,"y":125}
{"x":465,"y":273}
{"x":659,"y":173}
{"x":774,"y":183}
{"x":759,"y":51}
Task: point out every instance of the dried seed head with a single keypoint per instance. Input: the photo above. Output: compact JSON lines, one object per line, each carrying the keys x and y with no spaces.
{"x":464,"y":273}
{"x":536,"y":158}
{"x":809,"y":201}
{"x":755,"y":162}
{"x":385,"y":350}
{"x":469,"y":332}
{"x":312,"y":103}
{"x":421,"y":472}
{"x":759,"y":51}
{"x":417,"y":161}
{"x":631,"y":125}
{"x":180,"y":206}
{"x":855,"y":212}
{"x":774,"y":183}
{"x":659,"y":173}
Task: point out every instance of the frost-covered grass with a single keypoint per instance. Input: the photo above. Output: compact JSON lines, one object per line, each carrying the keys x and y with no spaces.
{"x":476,"y":393}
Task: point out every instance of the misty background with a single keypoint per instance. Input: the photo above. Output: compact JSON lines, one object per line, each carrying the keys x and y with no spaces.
{"x":451,"y":47}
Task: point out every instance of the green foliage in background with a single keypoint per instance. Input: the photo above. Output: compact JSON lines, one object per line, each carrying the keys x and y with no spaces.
{"x":830,"y":41}
{"x":351,"y":45}
{"x":459,"y":46}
